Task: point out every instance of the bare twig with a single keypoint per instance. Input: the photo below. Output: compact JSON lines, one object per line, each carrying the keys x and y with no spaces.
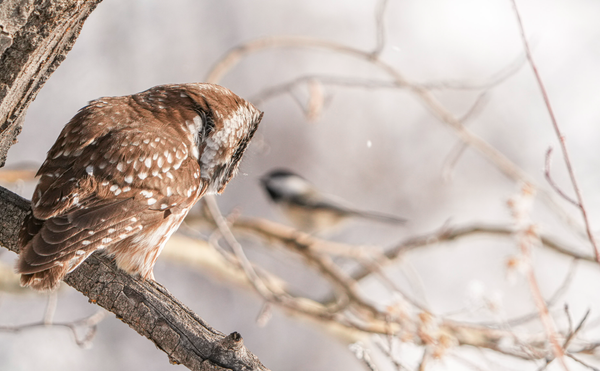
{"x":50,"y":308}
{"x":370,"y":83}
{"x":569,"y":319}
{"x":425,"y":359}
{"x":89,"y":324}
{"x":426,"y":97}
{"x":301,"y":244}
{"x":237,"y":248}
{"x":467,"y":362}
{"x":573,"y":333}
{"x":581,"y":362}
{"x":550,"y":302}
{"x":424,"y":94}
{"x":342,"y":81}
{"x":458,"y":149}
{"x":387,"y":350}
{"x":448,"y":233}
{"x":559,"y":135}
{"x":362,"y":354}
{"x":551,"y":181}
{"x":527,"y":237}
{"x":380,"y":24}
{"x":494,"y":80}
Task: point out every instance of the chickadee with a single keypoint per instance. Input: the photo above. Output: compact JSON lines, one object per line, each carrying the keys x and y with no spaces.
{"x":309,"y":209}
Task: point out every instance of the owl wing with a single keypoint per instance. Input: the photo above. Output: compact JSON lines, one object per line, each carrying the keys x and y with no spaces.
{"x":103,"y":193}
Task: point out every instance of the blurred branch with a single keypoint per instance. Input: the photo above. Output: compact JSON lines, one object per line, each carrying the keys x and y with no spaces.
{"x":145,"y":306}
{"x":451,"y":233}
{"x":460,"y":147}
{"x":424,"y":94}
{"x":527,"y":237}
{"x":573,"y":333}
{"x":387,"y":349}
{"x":17,"y":174}
{"x":88,"y":324}
{"x":362,"y":354}
{"x":352,"y":316}
{"x":236,"y":54}
{"x":348,"y":308}
{"x":552,"y":183}
{"x":582,"y":363}
{"x":559,"y":135}
{"x":560,"y":291}
{"x":10,"y":281}
{"x":494,"y":80}
{"x":380,"y":28}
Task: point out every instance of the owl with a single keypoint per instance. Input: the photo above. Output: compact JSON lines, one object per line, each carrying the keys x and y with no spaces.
{"x":124,"y":173}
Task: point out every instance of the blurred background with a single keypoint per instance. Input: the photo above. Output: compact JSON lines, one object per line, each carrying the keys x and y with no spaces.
{"x":379,"y":149}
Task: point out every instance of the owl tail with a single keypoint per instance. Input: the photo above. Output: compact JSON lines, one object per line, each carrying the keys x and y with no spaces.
{"x":46,"y":280}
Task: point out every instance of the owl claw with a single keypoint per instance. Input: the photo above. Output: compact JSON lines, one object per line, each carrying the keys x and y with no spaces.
{"x":150,"y":276}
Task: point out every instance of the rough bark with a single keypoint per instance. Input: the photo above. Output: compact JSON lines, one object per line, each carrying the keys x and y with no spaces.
{"x":35,"y":37}
{"x":145,"y":306}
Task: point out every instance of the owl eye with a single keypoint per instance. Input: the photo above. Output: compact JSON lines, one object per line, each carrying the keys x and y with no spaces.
{"x":208,"y":124}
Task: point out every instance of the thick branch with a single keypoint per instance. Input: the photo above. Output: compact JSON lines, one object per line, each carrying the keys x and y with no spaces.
{"x":145,"y":306}
{"x":35,"y":37}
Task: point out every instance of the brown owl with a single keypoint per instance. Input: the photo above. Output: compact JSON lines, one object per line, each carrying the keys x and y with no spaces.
{"x":124,"y":173}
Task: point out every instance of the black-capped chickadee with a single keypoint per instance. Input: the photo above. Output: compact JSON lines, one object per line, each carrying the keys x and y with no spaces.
{"x":309,"y":209}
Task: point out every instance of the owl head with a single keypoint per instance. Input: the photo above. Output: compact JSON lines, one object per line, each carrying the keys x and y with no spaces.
{"x":221,"y":125}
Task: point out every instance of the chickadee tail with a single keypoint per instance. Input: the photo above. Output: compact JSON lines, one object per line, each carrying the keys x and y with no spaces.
{"x":384,"y":218}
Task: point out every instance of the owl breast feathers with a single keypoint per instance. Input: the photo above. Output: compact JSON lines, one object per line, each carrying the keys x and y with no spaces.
{"x":124,"y":173}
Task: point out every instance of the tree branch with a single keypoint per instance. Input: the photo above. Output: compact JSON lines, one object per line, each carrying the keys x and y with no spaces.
{"x":35,"y":37}
{"x":559,"y":135}
{"x":146,"y":306}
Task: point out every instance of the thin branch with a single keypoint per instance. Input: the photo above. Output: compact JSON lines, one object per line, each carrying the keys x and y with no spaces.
{"x":88,"y":323}
{"x":349,"y":320}
{"x":460,"y":147}
{"x":380,"y":25}
{"x":494,"y":80}
{"x":467,"y":363}
{"x":301,"y":243}
{"x":424,"y":359}
{"x":343,"y":81}
{"x":569,"y":319}
{"x":50,"y":308}
{"x":550,"y":302}
{"x":582,"y":363}
{"x":363,"y":355}
{"x":370,"y":83}
{"x":559,"y":135}
{"x":425,"y":96}
{"x":387,"y":351}
{"x":527,"y":237}
{"x":551,"y":181}
{"x":572,"y":334}
{"x":449,"y":233}
{"x":225,"y":231}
